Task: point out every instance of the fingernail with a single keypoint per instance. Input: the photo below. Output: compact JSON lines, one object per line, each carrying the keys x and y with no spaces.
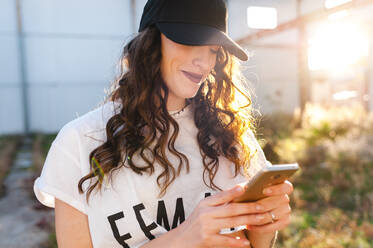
{"x":239,"y":189}
{"x":267,"y":191}
{"x":247,"y":242}
{"x":260,"y":216}
{"x":258,"y":207}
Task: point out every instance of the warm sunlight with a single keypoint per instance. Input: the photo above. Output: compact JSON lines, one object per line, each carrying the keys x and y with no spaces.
{"x":338,"y":15}
{"x":334,"y":3}
{"x":261,"y":17}
{"x":337,"y":45}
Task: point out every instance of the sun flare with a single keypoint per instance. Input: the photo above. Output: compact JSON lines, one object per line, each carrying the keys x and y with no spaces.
{"x":336,"y":46}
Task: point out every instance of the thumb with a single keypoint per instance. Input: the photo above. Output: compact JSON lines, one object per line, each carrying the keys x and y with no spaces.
{"x":225,"y":196}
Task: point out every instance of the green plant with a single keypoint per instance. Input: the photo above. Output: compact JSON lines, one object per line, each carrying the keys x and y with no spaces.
{"x":332,"y":198}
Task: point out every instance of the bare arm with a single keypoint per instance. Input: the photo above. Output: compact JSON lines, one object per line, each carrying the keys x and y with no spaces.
{"x":262,"y":240}
{"x":72,"y":228}
{"x":266,"y":240}
{"x":168,"y":239}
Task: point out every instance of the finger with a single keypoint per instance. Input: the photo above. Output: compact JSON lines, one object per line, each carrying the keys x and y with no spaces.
{"x":237,"y":235}
{"x":261,"y":206}
{"x":272,"y":202}
{"x":224,"y":196}
{"x":234,"y":209}
{"x":281,"y":212}
{"x":221,"y":240}
{"x":279,"y":189}
{"x":274,"y":215}
{"x":271,"y":227}
{"x":250,"y":219}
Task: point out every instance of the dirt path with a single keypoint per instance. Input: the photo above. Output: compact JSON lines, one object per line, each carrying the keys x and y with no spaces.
{"x":23,"y":222}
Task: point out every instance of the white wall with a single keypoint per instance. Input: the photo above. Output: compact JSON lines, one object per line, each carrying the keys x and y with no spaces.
{"x":274,"y":71}
{"x":139,"y":8}
{"x":237,"y":15}
{"x":71,"y":51}
{"x":274,"y":76}
{"x":11,"y":120}
{"x":309,"y":6}
{"x":72,"y":47}
{"x":271,"y":71}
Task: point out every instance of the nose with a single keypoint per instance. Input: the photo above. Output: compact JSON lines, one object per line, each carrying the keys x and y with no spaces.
{"x":203,"y":58}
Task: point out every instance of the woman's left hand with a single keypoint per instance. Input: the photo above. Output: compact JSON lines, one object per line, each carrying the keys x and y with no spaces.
{"x":275,"y":209}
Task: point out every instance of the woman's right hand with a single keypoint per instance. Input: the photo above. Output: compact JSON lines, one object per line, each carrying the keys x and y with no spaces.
{"x":216,"y":212}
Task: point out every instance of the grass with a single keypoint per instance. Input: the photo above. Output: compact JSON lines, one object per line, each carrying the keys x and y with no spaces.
{"x":52,"y":241}
{"x":332,"y":200}
{"x":8,"y":149}
{"x":40,"y":147}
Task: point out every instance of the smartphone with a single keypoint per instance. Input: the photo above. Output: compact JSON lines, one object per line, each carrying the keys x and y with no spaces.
{"x":268,"y":176}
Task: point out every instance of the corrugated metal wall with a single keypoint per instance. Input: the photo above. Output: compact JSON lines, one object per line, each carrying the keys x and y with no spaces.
{"x":70,"y":48}
{"x":10,"y":77}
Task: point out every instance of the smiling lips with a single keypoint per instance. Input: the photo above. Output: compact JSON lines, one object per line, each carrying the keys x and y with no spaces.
{"x":193,"y":77}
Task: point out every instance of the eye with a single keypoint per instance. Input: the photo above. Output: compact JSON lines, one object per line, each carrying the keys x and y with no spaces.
{"x":214,"y":51}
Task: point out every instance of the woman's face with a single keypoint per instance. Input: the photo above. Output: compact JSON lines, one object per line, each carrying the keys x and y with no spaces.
{"x":184,"y":68}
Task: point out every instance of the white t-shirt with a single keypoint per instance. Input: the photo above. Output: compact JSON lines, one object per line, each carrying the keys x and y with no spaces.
{"x":128,"y":212}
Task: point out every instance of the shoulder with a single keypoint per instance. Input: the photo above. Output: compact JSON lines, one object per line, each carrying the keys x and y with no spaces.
{"x":258,"y":159}
{"x":249,"y":138}
{"x":89,"y":125}
{"x":96,"y":118}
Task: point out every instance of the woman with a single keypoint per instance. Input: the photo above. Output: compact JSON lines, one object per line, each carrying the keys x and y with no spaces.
{"x":159,"y":163}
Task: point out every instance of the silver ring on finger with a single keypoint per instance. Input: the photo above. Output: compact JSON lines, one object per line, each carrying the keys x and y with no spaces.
{"x":273,"y":216}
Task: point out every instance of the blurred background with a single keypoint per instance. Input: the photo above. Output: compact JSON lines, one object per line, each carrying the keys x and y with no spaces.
{"x":310,"y":71}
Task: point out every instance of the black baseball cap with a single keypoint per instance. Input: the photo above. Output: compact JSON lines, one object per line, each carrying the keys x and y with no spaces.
{"x":192,"y":22}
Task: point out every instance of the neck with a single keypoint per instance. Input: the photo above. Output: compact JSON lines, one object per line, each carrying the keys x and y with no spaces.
{"x":174,"y":103}
{"x":175,"y":106}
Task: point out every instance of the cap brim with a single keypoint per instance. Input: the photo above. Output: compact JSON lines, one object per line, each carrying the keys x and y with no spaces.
{"x":197,"y":35}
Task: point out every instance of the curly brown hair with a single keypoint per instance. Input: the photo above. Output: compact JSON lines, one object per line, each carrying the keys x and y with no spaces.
{"x":138,"y":87}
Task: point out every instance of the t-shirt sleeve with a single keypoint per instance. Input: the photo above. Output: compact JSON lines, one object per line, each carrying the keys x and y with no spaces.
{"x":61,"y":172}
{"x":258,"y":159}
